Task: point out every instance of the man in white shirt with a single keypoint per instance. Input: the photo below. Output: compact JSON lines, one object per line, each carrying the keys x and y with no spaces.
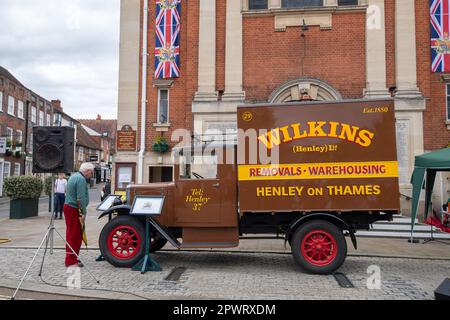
{"x":60,"y":195}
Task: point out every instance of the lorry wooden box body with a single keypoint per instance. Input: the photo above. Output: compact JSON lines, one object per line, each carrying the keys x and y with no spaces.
{"x":337,"y":156}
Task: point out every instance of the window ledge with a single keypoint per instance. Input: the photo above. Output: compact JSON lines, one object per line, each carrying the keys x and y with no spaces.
{"x":324,"y":9}
{"x":162,"y":83}
{"x":312,"y":16}
{"x":447,"y":122}
{"x":162,"y":127}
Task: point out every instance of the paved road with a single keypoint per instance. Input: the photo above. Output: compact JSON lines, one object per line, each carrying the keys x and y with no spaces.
{"x":6,"y":293}
{"x":227,"y":275}
{"x":94,"y":194}
{"x":220,"y":275}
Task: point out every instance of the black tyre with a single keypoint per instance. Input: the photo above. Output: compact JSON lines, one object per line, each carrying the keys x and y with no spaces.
{"x":319,"y":247}
{"x":157,"y":241}
{"x":122,"y":241}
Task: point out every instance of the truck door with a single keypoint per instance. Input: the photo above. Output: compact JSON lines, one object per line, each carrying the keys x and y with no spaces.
{"x":198,"y":195}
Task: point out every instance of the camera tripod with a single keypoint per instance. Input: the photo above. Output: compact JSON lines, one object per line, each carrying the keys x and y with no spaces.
{"x":48,"y":239}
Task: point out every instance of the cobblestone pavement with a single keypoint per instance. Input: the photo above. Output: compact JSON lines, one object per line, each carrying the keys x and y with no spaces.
{"x":231,"y":275}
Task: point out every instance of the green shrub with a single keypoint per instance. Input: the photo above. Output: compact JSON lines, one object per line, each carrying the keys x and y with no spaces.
{"x":48,"y":185}
{"x":23,"y":187}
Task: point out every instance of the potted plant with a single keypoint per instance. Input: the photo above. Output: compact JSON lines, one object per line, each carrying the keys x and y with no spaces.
{"x":24,"y":192}
{"x":161,"y":145}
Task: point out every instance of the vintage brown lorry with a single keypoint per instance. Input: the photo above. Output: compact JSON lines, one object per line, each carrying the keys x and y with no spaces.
{"x":327,"y":169}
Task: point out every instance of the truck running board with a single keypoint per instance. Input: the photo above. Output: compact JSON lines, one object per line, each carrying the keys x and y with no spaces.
{"x":173,"y":241}
{"x":166,"y":234}
{"x":208,"y":245}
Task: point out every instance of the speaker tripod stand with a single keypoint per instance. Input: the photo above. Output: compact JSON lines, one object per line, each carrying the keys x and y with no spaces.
{"x":48,"y":240}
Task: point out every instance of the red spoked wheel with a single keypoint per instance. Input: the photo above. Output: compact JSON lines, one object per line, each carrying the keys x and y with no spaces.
{"x":319,"y":248}
{"x":124,"y":242}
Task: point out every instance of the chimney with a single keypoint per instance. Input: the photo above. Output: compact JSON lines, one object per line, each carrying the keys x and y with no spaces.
{"x":57,"y":104}
{"x":99,"y":117}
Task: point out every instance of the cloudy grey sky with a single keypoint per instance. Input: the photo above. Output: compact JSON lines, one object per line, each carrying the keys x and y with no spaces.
{"x":64,"y":49}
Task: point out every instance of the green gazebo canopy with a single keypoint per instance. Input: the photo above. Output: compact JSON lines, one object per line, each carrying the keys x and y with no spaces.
{"x":425,"y":170}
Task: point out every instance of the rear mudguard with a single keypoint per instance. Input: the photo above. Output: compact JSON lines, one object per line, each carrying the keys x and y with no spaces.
{"x":122,"y":210}
{"x":321,"y":216}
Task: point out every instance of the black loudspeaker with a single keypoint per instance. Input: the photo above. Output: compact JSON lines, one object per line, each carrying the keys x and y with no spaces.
{"x":443,"y":291}
{"x":53,"y":149}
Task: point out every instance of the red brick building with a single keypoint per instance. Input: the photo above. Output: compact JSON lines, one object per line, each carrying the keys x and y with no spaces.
{"x":247,"y":51}
{"x":87,"y":148}
{"x":106,"y":135}
{"x":13,"y":100}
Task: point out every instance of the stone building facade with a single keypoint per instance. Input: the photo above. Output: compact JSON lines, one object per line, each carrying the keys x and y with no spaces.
{"x":248,"y":51}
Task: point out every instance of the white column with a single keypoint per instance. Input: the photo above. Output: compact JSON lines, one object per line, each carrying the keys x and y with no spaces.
{"x":409,"y":102}
{"x":129,"y":65}
{"x":233,"y":53}
{"x":207,"y":52}
{"x":130,"y":32}
{"x":405,"y":35}
{"x":376,"y":51}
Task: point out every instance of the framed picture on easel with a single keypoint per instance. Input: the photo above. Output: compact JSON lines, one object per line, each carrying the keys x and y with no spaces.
{"x":147,"y":205}
{"x":108,"y":202}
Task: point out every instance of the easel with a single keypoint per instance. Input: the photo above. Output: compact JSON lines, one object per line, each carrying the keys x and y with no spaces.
{"x":101,"y":258}
{"x":147,"y":263}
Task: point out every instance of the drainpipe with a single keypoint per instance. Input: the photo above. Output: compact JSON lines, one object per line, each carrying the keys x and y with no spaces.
{"x":25,"y":137}
{"x":144,"y":94}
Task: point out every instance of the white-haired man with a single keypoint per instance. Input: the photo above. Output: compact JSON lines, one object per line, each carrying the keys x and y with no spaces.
{"x":77,"y":198}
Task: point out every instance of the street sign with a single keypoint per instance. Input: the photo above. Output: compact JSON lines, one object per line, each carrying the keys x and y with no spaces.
{"x":2,"y":145}
{"x":93,"y":158}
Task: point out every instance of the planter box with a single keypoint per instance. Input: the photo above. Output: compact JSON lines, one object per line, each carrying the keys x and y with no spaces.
{"x":23,"y":208}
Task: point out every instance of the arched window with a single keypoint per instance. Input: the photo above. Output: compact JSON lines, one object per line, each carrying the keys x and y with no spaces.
{"x":315,"y":88}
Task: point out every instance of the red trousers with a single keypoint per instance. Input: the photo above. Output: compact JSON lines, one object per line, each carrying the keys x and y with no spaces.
{"x":73,"y":234}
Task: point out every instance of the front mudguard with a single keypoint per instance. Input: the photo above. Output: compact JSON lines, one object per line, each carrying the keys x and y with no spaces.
{"x":122,"y":210}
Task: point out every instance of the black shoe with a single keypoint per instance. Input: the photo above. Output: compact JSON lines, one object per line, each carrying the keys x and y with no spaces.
{"x":80,"y":264}
{"x":60,"y":217}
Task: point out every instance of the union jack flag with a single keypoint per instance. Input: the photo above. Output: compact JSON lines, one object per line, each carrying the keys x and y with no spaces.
{"x":167,"y":50}
{"x":440,"y":30}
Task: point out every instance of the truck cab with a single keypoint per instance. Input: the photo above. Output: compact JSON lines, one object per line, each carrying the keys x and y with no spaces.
{"x":200,"y":208}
